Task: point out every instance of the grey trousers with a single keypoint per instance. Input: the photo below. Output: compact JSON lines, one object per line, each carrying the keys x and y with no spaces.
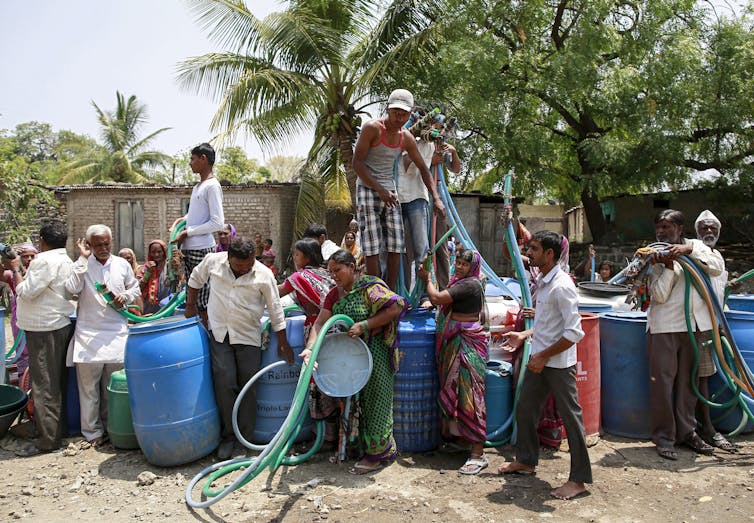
{"x":93,"y":379}
{"x":534,"y":391}
{"x":232,"y":367}
{"x":671,"y":357}
{"x":47,"y":351}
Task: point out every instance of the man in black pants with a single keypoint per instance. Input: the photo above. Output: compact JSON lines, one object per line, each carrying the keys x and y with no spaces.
{"x":240,"y":288}
{"x":551,"y":368}
{"x":44,"y":313}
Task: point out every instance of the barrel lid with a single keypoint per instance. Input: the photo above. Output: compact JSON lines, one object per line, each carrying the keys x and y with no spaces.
{"x":163,"y":324}
{"x":742,"y":296}
{"x":625,"y":315}
{"x":118,"y":381}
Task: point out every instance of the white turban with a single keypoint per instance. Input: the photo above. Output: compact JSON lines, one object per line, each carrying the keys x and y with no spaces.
{"x":706,"y":216}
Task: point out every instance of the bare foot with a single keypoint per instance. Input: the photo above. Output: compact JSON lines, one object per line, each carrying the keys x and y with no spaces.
{"x":514,"y":467}
{"x":569,"y":490}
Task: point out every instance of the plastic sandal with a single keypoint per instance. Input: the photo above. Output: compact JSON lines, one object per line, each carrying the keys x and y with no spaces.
{"x":478,"y":463}
{"x":719,"y":441}
{"x":667,"y":454}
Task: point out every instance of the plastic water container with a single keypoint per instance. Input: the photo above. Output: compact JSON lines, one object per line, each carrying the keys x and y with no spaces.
{"x":275,"y":390}
{"x":344,"y":365}
{"x":72,"y":405}
{"x":172,"y":401}
{"x":120,"y":425}
{"x":741,"y":302}
{"x":588,"y":372}
{"x":416,"y":413}
{"x":498,"y":396}
{"x":2,"y":344}
{"x":625,"y":374}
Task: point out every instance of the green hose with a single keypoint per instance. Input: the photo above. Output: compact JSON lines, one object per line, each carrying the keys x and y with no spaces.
{"x":16,"y":343}
{"x":274,"y":453}
{"x":167,"y":310}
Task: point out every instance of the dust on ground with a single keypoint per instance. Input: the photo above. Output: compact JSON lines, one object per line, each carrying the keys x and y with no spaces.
{"x":631,"y":483}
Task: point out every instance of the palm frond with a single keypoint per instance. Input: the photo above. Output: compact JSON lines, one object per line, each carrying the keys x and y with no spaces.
{"x":309,"y":207}
{"x":229,"y":23}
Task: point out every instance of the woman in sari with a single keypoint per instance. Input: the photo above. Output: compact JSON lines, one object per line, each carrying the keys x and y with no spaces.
{"x":224,"y":237}
{"x":369,"y":302}
{"x":462,"y":358}
{"x":349,"y":244}
{"x":308,"y":286}
{"x":153,"y":277}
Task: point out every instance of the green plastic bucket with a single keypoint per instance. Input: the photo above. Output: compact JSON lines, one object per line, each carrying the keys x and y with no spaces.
{"x":120,"y":426}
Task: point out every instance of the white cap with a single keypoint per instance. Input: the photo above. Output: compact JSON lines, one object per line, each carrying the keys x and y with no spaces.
{"x":401,"y":99}
{"x":706,"y":216}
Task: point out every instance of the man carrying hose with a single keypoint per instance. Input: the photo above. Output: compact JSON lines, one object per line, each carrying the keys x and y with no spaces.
{"x":708,"y":231}
{"x":380,"y":143}
{"x":672,"y":401}
{"x":241,"y":287}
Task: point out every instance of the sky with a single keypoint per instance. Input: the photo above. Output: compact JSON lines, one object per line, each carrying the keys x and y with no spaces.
{"x":59,"y":56}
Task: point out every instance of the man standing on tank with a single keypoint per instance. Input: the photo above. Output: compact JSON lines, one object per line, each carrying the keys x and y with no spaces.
{"x":379,"y":145}
{"x":672,"y":401}
{"x":241,"y":287}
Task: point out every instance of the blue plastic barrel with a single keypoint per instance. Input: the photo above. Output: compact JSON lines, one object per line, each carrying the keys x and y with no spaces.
{"x":276,"y":389}
{"x":625,"y":374}
{"x":596,"y":308}
{"x":170,"y":390}
{"x":72,"y":406}
{"x":741,"y":324}
{"x":498,"y":397}
{"x":2,"y":344}
{"x":741,"y":302}
{"x":416,"y":413}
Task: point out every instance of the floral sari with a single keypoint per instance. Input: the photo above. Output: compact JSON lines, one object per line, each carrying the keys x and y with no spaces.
{"x":461,"y":352}
{"x":369,"y":296}
{"x":158,"y":286}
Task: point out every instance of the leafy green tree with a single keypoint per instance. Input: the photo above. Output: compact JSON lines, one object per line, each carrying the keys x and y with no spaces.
{"x":591,"y":98}
{"x":123,"y":156}
{"x":234,"y":166}
{"x":317,"y":65}
{"x":284,"y":168}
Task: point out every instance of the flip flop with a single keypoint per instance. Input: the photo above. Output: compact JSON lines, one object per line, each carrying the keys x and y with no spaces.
{"x":667,"y":454}
{"x":719,"y":441}
{"x":359,"y":470}
{"x":479,"y":464}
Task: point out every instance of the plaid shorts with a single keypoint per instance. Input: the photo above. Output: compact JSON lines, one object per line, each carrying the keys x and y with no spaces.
{"x":192,"y":258}
{"x":381,"y":226}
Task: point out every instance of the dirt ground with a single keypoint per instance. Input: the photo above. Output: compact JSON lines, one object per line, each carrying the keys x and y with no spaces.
{"x":631,"y":483}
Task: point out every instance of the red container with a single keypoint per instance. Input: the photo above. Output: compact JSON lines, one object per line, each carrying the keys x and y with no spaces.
{"x":588,"y":372}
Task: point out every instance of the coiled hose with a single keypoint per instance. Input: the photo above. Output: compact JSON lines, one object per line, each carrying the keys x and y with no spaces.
{"x":274,"y":453}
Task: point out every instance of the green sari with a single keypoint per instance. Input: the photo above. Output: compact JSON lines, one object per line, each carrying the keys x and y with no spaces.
{"x":369,"y":296}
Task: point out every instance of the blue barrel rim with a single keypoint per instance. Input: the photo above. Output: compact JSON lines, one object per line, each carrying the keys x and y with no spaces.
{"x":736,"y":314}
{"x":163,"y":324}
{"x":635,"y":316}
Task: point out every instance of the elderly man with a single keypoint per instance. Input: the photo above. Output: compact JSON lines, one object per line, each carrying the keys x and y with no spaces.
{"x":708,"y":231}
{"x":669,"y":350}
{"x":99,"y":341}
{"x":380,"y":143}
{"x":240,"y":288}
{"x":43,"y":312}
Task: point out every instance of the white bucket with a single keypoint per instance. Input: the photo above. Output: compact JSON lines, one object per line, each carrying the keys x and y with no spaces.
{"x":344,"y":365}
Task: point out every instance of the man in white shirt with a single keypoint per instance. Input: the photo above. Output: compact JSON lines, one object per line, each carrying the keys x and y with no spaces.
{"x":414,"y":199}
{"x":205,"y":217}
{"x":672,"y":400}
{"x":44,"y":313}
{"x":319,"y":233}
{"x":99,"y":340}
{"x":241,"y":287}
{"x":551,"y":368}
{"x":708,"y":231}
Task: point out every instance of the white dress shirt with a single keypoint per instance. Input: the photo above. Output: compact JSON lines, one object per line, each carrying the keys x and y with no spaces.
{"x":205,"y":215}
{"x":41,"y":299}
{"x":236,"y":305}
{"x":101,"y":331}
{"x":667,"y":293}
{"x":557,"y":316}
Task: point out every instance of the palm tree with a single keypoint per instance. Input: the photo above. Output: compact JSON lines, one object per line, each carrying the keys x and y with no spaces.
{"x":122,"y":156}
{"x":319,"y":64}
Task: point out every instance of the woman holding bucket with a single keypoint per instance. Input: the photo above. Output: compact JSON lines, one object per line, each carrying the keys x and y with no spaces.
{"x":461,"y":358}
{"x":308,"y":286}
{"x":369,"y":302}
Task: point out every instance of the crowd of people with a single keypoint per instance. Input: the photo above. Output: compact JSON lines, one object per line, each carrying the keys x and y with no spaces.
{"x":231,"y":282}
